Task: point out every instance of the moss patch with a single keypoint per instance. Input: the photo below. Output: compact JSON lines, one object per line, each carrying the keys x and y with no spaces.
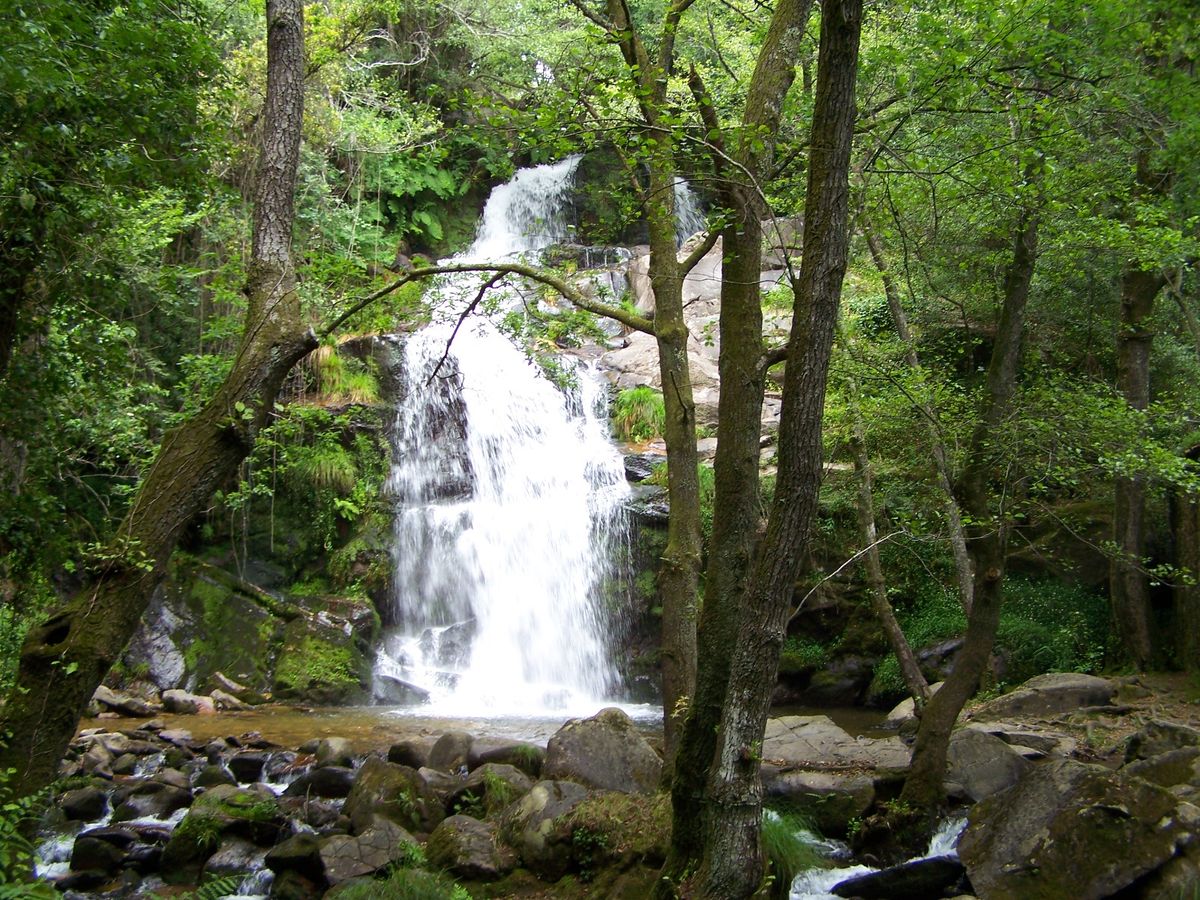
{"x":319,"y":664}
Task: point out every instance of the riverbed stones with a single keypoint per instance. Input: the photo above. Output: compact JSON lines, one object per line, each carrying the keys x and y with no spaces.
{"x":394,"y":792}
{"x":981,"y":764}
{"x":330,"y":782}
{"x":489,"y":788}
{"x":919,"y":879}
{"x":1046,"y":696}
{"x":451,"y":752}
{"x":335,"y":751}
{"x":148,"y":798}
{"x":413,"y":753}
{"x":529,"y":825}
{"x":234,"y":856}
{"x":248,"y":765}
{"x":187,"y":704}
{"x":123,"y":704}
{"x":470,"y":848}
{"x":299,"y":853}
{"x":1068,"y":829}
{"x":529,"y":758}
{"x":606,"y":752}
{"x":95,"y":854}
{"x":802,"y":741}
{"x":352,"y":856}
{"x":84,"y":804}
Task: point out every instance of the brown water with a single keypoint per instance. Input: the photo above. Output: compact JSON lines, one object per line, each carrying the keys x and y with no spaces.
{"x":366,"y":727}
{"x":376,"y":727}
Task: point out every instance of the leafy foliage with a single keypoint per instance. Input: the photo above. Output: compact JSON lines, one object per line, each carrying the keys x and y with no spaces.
{"x":638,"y":414}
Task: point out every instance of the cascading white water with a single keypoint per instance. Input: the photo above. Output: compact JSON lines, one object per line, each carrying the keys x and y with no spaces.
{"x":509,"y":502}
{"x":689,"y":215}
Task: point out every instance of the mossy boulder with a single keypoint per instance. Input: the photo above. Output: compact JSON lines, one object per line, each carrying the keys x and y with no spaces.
{"x":605,"y":752}
{"x":201,"y":622}
{"x":321,"y":664}
{"x":1068,"y":829}
{"x":252,"y":814}
{"x":393,"y":792}
{"x":608,"y":828}
{"x":531,"y":827}
{"x":469,"y":848}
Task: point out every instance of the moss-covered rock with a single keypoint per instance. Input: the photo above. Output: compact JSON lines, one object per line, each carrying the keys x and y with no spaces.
{"x":320,"y":663}
{"x":225,"y":810}
{"x":200,"y":623}
{"x":394,"y":792}
{"x":469,"y":848}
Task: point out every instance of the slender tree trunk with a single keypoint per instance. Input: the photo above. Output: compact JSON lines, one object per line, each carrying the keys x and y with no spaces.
{"x":737,"y":511}
{"x":732,"y":861}
{"x":924,"y":787}
{"x":1129,"y":586}
{"x":963,"y":569}
{"x":910,"y":670}
{"x":64,"y":659}
{"x":678,"y":574}
{"x":1185,"y":524}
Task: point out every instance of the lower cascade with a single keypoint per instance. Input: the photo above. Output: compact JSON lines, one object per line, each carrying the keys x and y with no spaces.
{"x":509,"y":513}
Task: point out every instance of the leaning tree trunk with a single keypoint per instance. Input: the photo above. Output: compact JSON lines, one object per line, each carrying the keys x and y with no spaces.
{"x":65,"y":658}
{"x":732,"y":864}
{"x":1129,"y":584}
{"x":737,"y":510}
{"x":924,"y":787}
{"x":910,"y":670}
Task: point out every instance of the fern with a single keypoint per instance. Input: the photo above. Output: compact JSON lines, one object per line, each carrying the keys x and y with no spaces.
{"x":326,"y":466}
{"x":16,"y":849}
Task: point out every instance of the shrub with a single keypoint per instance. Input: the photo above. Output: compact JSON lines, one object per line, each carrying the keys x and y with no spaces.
{"x":638,"y":414}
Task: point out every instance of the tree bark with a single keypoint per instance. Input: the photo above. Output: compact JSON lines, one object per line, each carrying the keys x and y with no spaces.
{"x":924,"y":787}
{"x":1129,"y":586}
{"x":737,"y":511}
{"x":679,"y":572}
{"x":66,"y":657}
{"x":732,"y":862}
{"x":963,"y":569}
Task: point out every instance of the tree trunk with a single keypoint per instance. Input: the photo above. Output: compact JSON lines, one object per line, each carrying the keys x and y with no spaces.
{"x":679,"y":572}
{"x":1129,"y":586}
{"x":1185,"y":526}
{"x":924,"y":787}
{"x":732,"y":862}
{"x":737,"y":510}
{"x":910,"y":671}
{"x":963,"y":569}
{"x":65,"y":658}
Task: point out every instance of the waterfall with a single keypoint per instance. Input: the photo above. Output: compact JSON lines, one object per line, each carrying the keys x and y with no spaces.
{"x":689,"y":216}
{"x":509,"y":502}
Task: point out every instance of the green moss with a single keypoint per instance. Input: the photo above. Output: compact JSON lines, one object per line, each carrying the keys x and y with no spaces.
{"x":609,"y":828}
{"x":316,"y":662}
{"x":802,"y":655}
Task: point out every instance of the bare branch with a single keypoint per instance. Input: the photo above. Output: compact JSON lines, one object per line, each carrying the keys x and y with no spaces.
{"x":565,"y":289}
{"x":470,"y":308}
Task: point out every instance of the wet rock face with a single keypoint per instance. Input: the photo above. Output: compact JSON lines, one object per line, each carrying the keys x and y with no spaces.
{"x":1068,"y":829}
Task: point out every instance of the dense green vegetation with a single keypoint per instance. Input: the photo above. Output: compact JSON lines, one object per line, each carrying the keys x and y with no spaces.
{"x":1019,"y":335}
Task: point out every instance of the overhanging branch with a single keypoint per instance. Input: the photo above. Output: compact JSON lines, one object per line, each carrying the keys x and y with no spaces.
{"x":565,"y":289}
